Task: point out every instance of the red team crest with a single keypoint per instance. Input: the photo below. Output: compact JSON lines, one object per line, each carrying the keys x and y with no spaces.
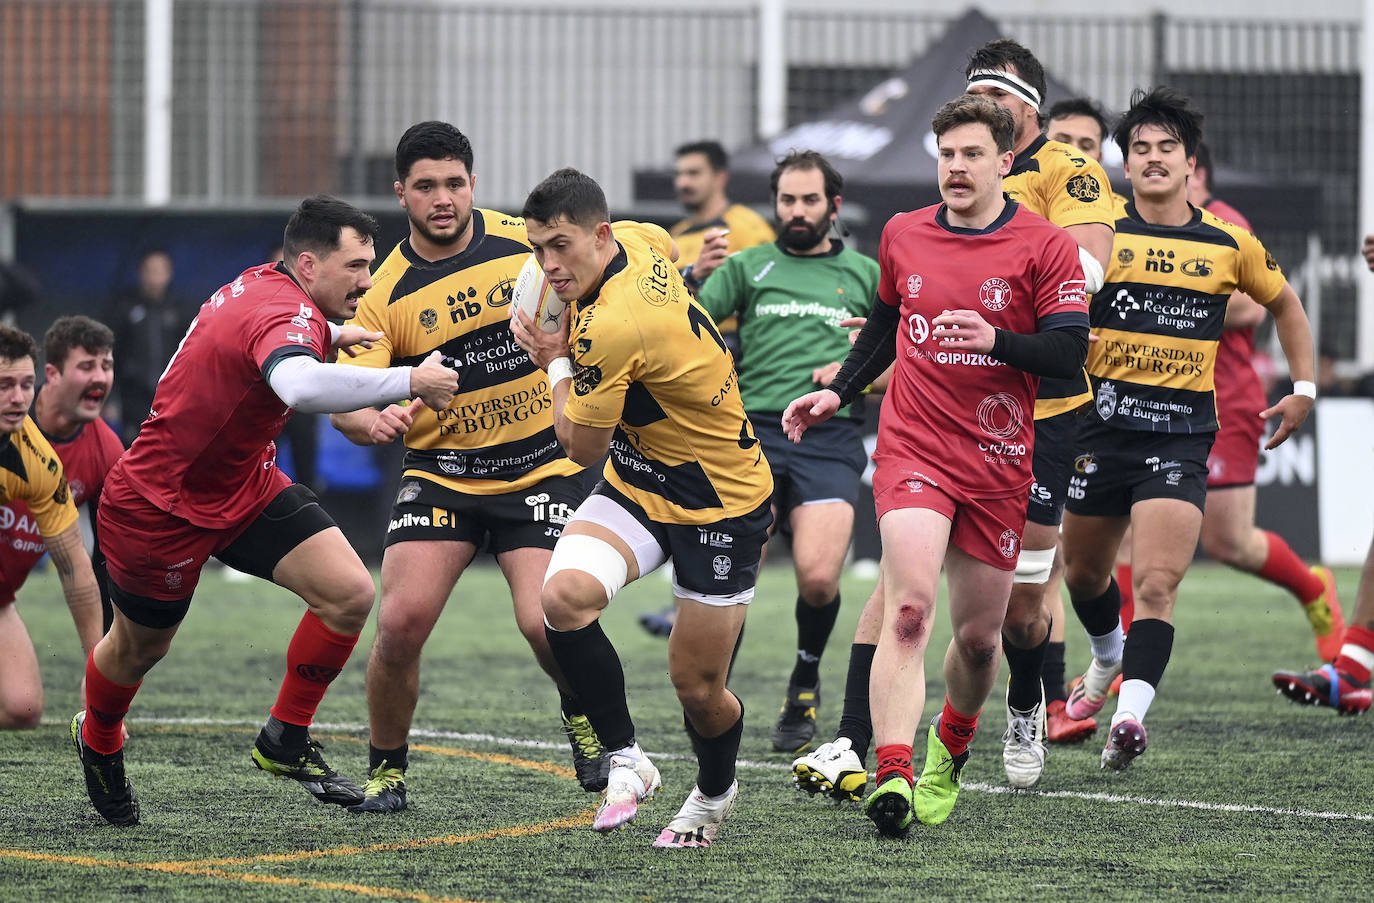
{"x":995,"y":293}
{"x":1008,"y":544}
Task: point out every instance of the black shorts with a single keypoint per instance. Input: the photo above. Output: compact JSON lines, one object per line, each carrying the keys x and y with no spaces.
{"x":1051,"y":463}
{"x":530,"y":518}
{"x":719,"y":559}
{"x":293,"y":516}
{"x":826,"y":466}
{"x":1116,"y":468}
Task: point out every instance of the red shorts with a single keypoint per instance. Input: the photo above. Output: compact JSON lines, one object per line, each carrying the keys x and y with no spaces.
{"x":154,"y":554}
{"x":1235,"y":453}
{"x":989,"y":529}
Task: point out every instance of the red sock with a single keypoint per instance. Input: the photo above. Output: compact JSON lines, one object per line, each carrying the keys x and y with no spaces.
{"x":1123,"y":583}
{"x":956,"y":730}
{"x":1284,"y":567}
{"x":106,"y":705}
{"x":894,"y":759}
{"x":1362,"y":637}
{"x":314,"y":658}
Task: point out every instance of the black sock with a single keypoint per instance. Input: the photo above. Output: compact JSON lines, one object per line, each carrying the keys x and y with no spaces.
{"x":813,"y":632}
{"x":1148,"y":647}
{"x":288,"y":737}
{"x":856,"y":722}
{"x":1052,"y":673}
{"x":1025,"y":665}
{"x":394,"y":758}
{"x":569,"y":706}
{"x":716,"y":755}
{"x":591,"y":667}
{"x":1100,"y":615}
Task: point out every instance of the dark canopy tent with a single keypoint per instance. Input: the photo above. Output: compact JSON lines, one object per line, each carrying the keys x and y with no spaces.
{"x":881,"y":143}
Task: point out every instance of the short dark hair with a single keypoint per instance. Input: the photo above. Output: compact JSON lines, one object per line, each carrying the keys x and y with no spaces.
{"x":568,"y":194}
{"x":1080,"y":106}
{"x":16,"y":344}
{"x":431,"y":140}
{"x":67,"y":333}
{"x":808,"y":160}
{"x":971,"y":108}
{"x":1004,"y":54}
{"x":318,"y":223}
{"x":715,"y":154}
{"x":1204,"y":163}
{"x":1165,"y":107}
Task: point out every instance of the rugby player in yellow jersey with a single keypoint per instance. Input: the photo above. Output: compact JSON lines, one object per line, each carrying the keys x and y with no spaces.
{"x":31,"y":472}
{"x":1070,"y":190}
{"x":641,"y":372}
{"x":1142,"y":448}
{"x":484,"y":474}
{"x":713,"y":229}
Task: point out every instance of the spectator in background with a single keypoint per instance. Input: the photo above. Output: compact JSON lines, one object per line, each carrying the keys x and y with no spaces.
{"x":701,"y":172}
{"x":148,"y":323}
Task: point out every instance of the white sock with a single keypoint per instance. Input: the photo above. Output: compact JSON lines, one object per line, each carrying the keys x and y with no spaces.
{"x":1360,"y":654}
{"x":1134,"y":701}
{"x":1107,"y":649}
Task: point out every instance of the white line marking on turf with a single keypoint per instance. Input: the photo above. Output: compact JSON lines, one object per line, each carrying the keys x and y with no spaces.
{"x":975,"y":786}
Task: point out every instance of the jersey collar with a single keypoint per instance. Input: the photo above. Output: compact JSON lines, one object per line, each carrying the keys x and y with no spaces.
{"x":942,"y":219}
{"x":1025,"y":161}
{"x":479,"y":232}
{"x":618,"y":263}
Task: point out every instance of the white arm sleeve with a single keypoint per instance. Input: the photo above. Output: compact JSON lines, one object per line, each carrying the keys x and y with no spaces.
{"x":1092,"y":272}
{"x":314,"y":387}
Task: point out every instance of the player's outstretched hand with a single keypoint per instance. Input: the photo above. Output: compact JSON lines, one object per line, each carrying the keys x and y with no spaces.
{"x":810,"y":409}
{"x":433,"y":383}
{"x":853,"y":324}
{"x":1368,"y":251}
{"x":1294,"y":410}
{"x":543,"y":346}
{"x":392,"y":422}
{"x":352,"y":336}
{"x":963,"y":330}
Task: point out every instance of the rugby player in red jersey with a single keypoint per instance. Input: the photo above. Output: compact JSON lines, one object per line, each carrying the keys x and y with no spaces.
{"x":38,"y":515}
{"x":201,"y":480}
{"x":956,"y":437}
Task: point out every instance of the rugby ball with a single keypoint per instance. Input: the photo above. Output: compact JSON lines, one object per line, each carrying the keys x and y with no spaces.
{"x":535,"y":296}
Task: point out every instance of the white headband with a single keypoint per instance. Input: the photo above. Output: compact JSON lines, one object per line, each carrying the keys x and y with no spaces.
{"x":1007,"y":81}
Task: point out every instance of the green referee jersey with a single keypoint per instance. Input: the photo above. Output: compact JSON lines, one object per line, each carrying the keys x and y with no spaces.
{"x":789,"y":308}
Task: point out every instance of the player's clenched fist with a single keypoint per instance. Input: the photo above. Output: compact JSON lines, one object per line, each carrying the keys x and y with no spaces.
{"x":433,"y":383}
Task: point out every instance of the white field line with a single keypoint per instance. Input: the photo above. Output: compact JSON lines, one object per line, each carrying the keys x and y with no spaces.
{"x":976,"y":786}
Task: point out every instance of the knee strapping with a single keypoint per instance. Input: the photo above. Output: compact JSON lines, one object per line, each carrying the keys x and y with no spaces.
{"x":1034,"y":566}
{"x":590,"y":556}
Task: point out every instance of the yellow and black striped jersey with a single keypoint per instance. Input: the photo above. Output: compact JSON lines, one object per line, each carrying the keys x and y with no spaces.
{"x":746,"y":227}
{"x":31,"y":472}
{"x":497,"y":434}
{"x":649,"y":361}
{"x":1158,"y":319}
{"x":1068,"y":188}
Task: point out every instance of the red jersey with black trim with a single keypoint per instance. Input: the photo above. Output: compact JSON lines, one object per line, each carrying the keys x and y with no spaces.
{"x":207,"y":452}
{"x":963,"y":420}
{"x":1240,"y":393}
{"x":86,"y":458}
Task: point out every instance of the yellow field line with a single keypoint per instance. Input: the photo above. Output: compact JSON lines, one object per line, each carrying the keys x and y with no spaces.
{"x":213,"y":868}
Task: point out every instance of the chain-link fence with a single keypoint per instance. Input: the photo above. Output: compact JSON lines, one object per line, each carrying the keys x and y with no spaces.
{"x":274,"y":100}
